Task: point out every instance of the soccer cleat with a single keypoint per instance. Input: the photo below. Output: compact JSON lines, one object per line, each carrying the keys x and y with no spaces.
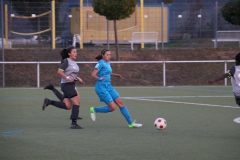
{"x":50,"y":86}
{"x":93,"y":113}
{"x":135,"y":125}
{"x":77,"y":118}
{"x":46,"y":103}
{"x":75,"y":126}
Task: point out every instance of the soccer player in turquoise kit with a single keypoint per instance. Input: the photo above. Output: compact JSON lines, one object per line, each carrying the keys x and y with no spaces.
{"x":105,"y":91}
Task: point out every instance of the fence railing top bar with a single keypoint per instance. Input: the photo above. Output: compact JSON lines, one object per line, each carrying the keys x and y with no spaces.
{"x":88,"y":62}
{"x":137,"y":61}
{"x":200,"y":61}
{"x":234,"y":31}
{"x":18,"y":62}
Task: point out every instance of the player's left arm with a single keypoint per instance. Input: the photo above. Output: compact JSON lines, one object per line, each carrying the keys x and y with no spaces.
{"x":80,"y":81}
{"x":229,"y":73}
{"x":117,"y":75}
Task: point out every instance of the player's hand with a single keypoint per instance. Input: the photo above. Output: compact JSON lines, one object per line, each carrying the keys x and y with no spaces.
{"x":120,"y":76}
{"x":101,"y":78}
{"x":71,"y":79}
{"x":80,"y":81}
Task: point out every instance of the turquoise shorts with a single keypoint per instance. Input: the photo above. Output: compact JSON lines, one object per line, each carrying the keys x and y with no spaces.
{"x":106,"y":92}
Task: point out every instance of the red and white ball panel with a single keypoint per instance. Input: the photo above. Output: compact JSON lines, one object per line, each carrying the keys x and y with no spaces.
{"x":160,"y":123}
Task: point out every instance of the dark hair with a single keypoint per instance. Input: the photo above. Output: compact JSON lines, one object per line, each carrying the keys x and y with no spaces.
{"x":64,"y":53}
{"x":237,"y":57}
{"x":99,"y":57}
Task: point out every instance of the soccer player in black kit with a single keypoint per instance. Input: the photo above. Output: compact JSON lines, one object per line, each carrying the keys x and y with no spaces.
{"x":68,"y":71}
{"x":234,"y":74}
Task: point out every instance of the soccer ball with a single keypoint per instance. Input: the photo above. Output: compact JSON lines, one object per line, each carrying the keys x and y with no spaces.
{"x":160,"y":123}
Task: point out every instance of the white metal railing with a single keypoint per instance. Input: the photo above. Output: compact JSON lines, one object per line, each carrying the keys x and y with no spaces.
{"x":126,"y":62}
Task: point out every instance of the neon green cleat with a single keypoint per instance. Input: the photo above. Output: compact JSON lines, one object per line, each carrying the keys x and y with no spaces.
{"x":93,"y":115}
{"x":135,"y":125}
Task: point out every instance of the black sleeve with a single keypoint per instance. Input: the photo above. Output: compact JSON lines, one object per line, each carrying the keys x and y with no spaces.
{"x":231,"y":71}
{"x":64,"y":65}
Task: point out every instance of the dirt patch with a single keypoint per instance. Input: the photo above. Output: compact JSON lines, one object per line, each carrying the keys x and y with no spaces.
{"x":25,"y":75}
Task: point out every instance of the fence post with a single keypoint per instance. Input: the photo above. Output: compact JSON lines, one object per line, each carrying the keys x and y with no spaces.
{"x":38,"y":74}
{"x":200,"y":25}
{"x":142,"y":19}
{"x":81,"y":23}
{"x":164,"y":73}
{"x":53,"y":25}
{"x":6,"y":26}
{"x":216,"y":21}
{"x":3,"y":65}
{"x":107,"y":34}
{"x":162,"y":26}
{"x":225,"y":69}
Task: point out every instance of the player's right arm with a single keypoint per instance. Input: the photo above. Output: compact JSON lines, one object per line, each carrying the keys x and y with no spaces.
{"x":96,"y":70}
{"x":225,"y":75}
{"x":61,"y":70}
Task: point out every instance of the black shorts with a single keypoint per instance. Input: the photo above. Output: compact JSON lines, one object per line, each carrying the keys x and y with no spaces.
{"x":69,"y":90}
{"x":237,"y":100}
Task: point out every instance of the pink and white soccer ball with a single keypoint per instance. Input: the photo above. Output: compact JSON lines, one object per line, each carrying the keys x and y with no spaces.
{"x":160,"y":123}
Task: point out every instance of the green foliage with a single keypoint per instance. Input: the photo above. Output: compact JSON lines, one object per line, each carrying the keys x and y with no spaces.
{"x":231,"y":12}
{"x":114,"y":9}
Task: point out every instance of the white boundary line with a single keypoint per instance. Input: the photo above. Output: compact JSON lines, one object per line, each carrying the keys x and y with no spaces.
{"x":155,"y":87}
{"x":200,"y":104}
{"x":152,"y":97}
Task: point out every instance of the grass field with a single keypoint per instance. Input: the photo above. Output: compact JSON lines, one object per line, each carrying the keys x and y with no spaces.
{"x":200,"y":126}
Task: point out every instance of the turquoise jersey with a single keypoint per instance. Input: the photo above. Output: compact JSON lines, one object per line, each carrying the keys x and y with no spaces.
{"x":104,"y":70}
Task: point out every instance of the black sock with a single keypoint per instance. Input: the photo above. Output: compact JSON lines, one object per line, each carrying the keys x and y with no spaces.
{"x":74,"y":121}
{"x":59,"y":104}
{"x":58,"y":94}
{"x":75,"y":112}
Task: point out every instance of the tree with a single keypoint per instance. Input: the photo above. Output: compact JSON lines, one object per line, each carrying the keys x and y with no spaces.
{"x":114,"y":10}
{"x":231,"y":12}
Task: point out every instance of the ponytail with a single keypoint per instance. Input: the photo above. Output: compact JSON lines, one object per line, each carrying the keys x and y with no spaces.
{"x":100,"y":56}
{"x":64,"y":53}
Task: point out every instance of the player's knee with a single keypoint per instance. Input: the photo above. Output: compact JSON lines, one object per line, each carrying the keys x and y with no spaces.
{"x":69,"y":106}
{"x":120,"y":104}
{"x":112,"y":108}
{"x":77,"y":104}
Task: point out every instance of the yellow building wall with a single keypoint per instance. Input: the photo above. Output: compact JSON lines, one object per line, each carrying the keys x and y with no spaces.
{"x":95,"y":26}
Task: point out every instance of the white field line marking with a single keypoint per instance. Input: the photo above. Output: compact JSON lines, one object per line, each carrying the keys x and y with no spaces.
{"x":180,"y":97}
{"x":200,"y":104}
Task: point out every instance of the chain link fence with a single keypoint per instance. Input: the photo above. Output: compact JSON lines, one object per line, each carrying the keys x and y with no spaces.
{"x":179,"y":25}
